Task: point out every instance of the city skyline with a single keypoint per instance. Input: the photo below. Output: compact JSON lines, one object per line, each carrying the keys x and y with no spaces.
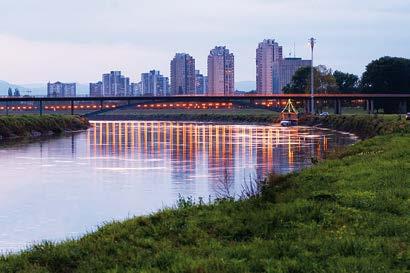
{"x":349,"y":35}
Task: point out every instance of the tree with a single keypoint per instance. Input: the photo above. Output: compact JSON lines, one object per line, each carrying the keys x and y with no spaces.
{"x":324,"y":80}
{"x":16,"y":92}
{"x":299,"y":83}
{"x":346,"y":82}
{"x":10,"y":92}
{"x":387,"y":75}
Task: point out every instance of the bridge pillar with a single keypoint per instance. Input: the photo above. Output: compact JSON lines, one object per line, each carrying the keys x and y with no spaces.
{"x":41,"y":107}
{"x":101,"y":104}
{"x":7,"y":108}
{"x":403,"y":107}
{"x":306,"y":105}
{"x":338,"y":107}
{"x":72,"y":107}
{"x":370,"y":106}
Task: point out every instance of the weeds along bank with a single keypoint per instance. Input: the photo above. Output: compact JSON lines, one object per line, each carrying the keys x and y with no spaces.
{"x":34,"y":126}
{"x":349,"y":213}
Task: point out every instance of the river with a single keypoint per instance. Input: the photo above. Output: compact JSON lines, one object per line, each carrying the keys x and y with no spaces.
{"x":63,"y":187}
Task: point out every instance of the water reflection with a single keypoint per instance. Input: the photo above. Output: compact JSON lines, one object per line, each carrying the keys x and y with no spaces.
{"x":187,"y":148}
{"x":61,"y":187}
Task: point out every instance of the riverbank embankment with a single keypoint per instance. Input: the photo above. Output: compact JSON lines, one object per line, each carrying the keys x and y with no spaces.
{"x":27,"y":126}
{"x":349,"y":213}
{"x":364,"y":126}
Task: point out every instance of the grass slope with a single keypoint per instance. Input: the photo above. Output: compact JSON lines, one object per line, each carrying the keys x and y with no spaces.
{"x":346,"y":214}
{"x":365,"y":126}
{"x":35,"y":125}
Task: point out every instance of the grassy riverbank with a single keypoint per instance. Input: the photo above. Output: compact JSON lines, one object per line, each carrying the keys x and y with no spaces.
{"x":364,"y":126}
{"x":215,"y":115}
{"x":34,"y":125}
{"x":349,"y":213}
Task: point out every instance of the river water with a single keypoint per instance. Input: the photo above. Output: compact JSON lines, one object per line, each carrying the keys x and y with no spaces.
{"x":63,"y":187}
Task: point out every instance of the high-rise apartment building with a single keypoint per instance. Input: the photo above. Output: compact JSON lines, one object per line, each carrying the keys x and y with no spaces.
{"x":59,"y":89}
{"x":154,"y":84}
{"x":273,"y":72}
{"x":221,"y":71}
{"x":267,"y":53}
{"x":96,"y":89}
{"x":183,"y":74}
{"x":201,"y":83}
{"x":116,"y":85}
{"x":136,"y":89}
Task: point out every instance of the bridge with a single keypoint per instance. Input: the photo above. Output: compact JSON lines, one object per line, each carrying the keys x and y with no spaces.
{"x":403,"y":100}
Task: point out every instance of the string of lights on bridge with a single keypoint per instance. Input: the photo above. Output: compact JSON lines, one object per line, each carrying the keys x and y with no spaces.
{"x":142,"y":106}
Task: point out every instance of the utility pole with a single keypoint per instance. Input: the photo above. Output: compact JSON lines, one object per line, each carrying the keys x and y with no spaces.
{"x":312,"y":42}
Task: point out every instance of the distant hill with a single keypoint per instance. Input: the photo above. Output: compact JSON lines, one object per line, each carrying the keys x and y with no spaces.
{"x":245,"y":86}
{"x":4,"y":87}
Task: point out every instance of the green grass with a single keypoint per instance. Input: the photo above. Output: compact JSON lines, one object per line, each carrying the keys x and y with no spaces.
{"x":35,"y":125}
{"x":350,"y":213}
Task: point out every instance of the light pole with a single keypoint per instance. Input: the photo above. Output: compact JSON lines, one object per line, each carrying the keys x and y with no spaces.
{"x":312,"y":42}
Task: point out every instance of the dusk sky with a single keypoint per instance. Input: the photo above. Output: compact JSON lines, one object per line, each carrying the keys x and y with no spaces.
{"x":78,"y":40}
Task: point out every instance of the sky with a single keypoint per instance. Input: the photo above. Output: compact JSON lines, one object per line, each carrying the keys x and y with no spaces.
{"x":78,"y":40}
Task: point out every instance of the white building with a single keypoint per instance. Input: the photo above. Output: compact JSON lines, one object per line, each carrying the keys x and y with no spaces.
{"x":154,"y":84}
{"x":96,"y":89}
{"x":115,"y":85}
{"x":59,"y":89}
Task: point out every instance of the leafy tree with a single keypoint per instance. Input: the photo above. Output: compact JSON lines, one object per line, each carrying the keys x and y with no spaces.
{"x":10,"y":92}
{"x":346,"y":82}
{"x":387,"y":75}
{"x":300,"y":81}
{"x":324,"y":81}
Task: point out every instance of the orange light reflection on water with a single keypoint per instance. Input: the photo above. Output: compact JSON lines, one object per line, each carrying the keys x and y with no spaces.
{"x":222,"y":146}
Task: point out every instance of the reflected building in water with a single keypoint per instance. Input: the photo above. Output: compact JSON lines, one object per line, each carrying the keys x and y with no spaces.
{"x":192,"y":149}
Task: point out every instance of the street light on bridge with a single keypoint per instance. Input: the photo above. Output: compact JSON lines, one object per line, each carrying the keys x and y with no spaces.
{"x":312,"y":42}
